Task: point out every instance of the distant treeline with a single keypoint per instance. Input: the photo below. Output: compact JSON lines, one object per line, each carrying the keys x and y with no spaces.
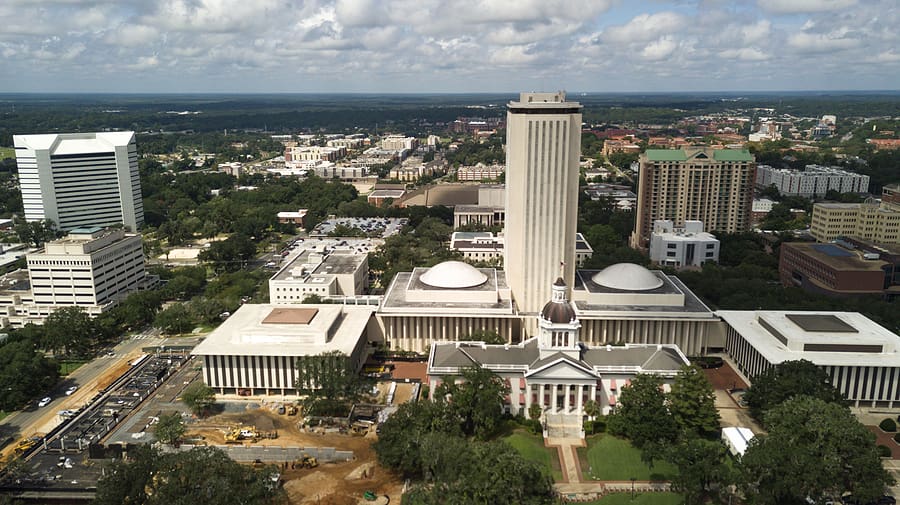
{"x":412,"y":114}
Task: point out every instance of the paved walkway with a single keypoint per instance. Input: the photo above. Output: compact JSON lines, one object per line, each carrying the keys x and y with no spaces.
{"x":568,"y":458}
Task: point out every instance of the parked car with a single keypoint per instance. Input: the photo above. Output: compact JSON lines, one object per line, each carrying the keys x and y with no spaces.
{"x":45,"y":401}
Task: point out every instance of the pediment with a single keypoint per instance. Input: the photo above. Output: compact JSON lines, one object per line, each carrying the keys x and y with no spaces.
{"x":561,"y":369}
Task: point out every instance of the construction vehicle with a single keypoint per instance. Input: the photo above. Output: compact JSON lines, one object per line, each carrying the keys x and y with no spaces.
{"x":239,"y":434}
{"x":360,"y":428}
{"x":26,"y":444}
{"x":307,"y":461}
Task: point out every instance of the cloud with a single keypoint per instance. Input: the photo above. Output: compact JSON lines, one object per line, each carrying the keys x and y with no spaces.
{"x":822,"y":42}
{"x":745,"y":54}
{"x":659,"y":49}
{"x":804,"y":6}
{"x":644,"y":27}
{"x":444,"y":45}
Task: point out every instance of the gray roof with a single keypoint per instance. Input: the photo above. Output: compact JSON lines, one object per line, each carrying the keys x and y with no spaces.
{"x":631,"y":357}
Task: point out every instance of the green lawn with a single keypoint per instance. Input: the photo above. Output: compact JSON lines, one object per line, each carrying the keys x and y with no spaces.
{"x":610,"y":458}
{"x":639,"y":499}
{"x":7,"y":152}
{"x":531,"y":447}
{"x":67,"y":367}
{"x":3,"y":414}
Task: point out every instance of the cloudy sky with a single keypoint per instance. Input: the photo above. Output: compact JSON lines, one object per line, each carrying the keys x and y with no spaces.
{"x":447,"y":45}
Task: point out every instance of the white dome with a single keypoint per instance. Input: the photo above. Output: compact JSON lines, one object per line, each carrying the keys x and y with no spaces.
{"x":454,"y":275}
{"x":627,"y":277}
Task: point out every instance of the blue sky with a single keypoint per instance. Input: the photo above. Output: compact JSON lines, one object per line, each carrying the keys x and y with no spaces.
{"x":447,"y":45}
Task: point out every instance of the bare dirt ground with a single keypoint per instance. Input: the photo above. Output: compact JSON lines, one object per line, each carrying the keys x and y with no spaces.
{"x":329,"y":483}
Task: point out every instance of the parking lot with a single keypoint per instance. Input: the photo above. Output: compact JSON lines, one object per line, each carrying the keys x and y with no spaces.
{"x":372,"y":226}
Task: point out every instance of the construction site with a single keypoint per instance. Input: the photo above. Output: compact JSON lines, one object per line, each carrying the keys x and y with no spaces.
{"x":321,"y":460}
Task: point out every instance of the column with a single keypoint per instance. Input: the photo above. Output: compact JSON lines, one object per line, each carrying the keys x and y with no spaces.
{"x":566,"y":389}
{"x":541,"y":393}
{"x":553,"y":395}
{"x":594,"y":392}
{"x":579,"y":400}
{"x":527,"y":398}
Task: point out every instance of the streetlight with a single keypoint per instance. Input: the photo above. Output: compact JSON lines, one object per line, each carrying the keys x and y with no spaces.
{"x":632,"y":488}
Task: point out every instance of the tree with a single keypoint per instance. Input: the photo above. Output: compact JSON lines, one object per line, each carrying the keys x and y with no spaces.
{"x":69,"y":330}
{"x":329,"y":380}
{"x":201,"y":475}
{"x":813,"y":449}
{"x":199,"y":397}
{"x":692,"y":403}
{"x":786,"y":380}
{"x":642,"y":415}
{"x":535,"y":411}
{"x":401,"y":437}
{"x":701,"y":468}
{"x":477,"y":401}
{"x":230,"y":254}
{"x":169,"y":428}
{"x":486,"y":336}
{"x":175,"y":319}
{"x":24,"y":372}
{"x":36,"y":232}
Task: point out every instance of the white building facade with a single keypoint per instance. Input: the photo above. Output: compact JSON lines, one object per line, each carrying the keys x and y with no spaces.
{"x":554,"y":370}
{"x":816,"y":180}
{"x":542,"y":155}
{"x":688,"y":246}
{"x":80,"y":179}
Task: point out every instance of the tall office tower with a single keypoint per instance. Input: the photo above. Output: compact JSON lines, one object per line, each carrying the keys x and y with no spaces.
{"x":543,"y":147}
{"x":80,"y":179}
{"x":694,"y":184}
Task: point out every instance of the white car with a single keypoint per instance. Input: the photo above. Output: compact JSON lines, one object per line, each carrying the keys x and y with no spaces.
{"x":71,"y":390}
{"x":45,"y":401}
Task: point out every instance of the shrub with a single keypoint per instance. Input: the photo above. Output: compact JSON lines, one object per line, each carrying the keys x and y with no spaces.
{"x":888,"y":425}
{"x":883,"y":451}
{"x":897,"y":438}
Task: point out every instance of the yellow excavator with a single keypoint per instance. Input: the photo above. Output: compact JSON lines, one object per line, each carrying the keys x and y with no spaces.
{"x":306,"y":461}
{"x":239,"y":434}
{"x":26,"y":444}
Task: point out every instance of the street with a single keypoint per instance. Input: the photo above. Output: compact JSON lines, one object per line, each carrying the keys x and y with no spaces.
{"x":87,"y":377}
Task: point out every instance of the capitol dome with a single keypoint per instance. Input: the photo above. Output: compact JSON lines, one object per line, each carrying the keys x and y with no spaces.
{"x":627,"y":277}
{"x":453,"y":275}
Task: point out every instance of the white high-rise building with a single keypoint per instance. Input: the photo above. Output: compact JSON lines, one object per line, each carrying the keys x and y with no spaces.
{"x":80,"y":179}
{"x":543,"y":147}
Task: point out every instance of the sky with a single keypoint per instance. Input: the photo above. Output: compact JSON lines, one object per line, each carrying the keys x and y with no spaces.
{"x":447,"y":46}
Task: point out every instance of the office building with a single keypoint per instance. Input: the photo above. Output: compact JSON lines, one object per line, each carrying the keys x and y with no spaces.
{"x":489,"y":211}
{"x":871,"y":221}
{"x":697,"y":184}
{"x":484,"y":246}
{"x":688,"y":246}
{"x":813,"y":182}
{"x":543,"y":149}
{"x":91,"y":268}
{"x":80,"y":179}
{"x":255,"y":351}
{"x":860,"y":357}
{"x":845,"y":267}
{"x":320,"y":272}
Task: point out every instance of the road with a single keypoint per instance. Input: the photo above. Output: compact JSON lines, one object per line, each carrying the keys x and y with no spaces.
{"x":86,"y":377}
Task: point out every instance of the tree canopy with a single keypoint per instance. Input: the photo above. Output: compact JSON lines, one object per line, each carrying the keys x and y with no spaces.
{"x":642,"y":414}
{"x":787,"y":380}
{"x":477,"y":401}
{"x":200,"y":475}
{"x":692,"y":403}
{"x":169,"y":428}
{"x":199,"y":397}
{"x":813,"y":449}
{"x":329,"y":381}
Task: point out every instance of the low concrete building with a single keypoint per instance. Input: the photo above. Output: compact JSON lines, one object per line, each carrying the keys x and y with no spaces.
{"x":321,"y":273}
{"x":861,"y":358}
{"x":484,"y":246}
{"x":688,"y":246}
{"x":292,"y":217}
{"x":255,"y":351}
